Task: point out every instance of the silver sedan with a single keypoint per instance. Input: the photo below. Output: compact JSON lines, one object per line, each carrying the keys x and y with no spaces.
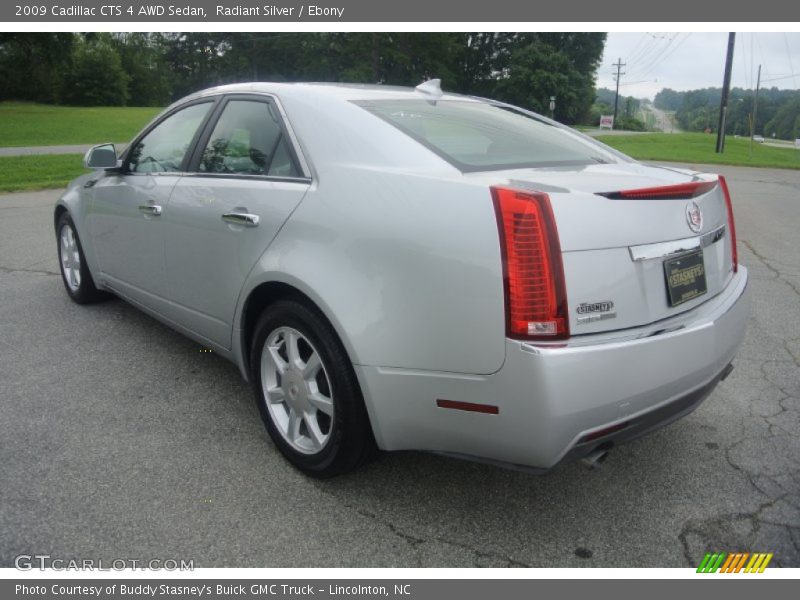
{"x":401,"y":268}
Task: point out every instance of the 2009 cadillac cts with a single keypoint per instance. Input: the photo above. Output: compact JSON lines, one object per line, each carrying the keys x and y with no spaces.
{"x":409,"y":269}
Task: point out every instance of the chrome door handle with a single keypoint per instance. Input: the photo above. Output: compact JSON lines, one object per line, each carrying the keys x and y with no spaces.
{"x":235,"y":218}
{"x":150,"y":209}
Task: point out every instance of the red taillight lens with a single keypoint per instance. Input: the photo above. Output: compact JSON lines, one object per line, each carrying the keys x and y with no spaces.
{"x":731,"y":224}
{"x":664,"y":192}
{"x":536,"y":301}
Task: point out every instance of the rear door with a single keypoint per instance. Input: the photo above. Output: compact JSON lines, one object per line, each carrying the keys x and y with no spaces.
{"x":246,"y":179}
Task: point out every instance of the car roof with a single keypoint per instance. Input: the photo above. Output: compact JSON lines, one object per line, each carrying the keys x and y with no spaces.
{"x":340,"y":91}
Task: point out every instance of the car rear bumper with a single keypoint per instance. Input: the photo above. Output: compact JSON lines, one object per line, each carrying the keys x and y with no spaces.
{"x":553,"y":402}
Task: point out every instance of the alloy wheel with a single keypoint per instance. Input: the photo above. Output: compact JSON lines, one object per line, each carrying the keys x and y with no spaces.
{"x":297,"y":390}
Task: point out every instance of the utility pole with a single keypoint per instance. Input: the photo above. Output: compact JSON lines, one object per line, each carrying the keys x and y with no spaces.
{"x":619,"y":64}
{"x":755,"y":106}
{"x":726,"y":88}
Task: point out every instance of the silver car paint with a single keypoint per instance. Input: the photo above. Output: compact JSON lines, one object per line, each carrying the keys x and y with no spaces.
{"x":129,"y":244}
{"x":194,"y":234}
{"x":400,"y":252}
{"x":548,"y":398}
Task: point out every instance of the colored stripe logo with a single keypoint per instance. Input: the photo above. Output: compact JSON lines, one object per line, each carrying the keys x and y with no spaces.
{"x":735,"y":562}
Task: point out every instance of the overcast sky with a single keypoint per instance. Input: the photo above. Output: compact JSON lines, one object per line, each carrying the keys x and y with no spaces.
{"x":685,"y":61}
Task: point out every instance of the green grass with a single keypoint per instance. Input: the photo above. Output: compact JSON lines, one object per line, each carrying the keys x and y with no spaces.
{"x":698,"y":148}
{"x":27,"y":124}
{"x":20,"y":173}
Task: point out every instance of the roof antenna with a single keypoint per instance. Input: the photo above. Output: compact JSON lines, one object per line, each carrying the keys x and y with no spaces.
{"x":432,"y":88}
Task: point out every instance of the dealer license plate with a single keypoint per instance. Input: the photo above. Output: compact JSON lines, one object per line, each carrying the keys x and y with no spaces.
{"x":686,"y":277}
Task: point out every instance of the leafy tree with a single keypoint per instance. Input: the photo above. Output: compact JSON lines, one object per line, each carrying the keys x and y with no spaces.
{"x":551,"y":64}
{"x":668,"y":99}
{"x":32,"y":65}
{"x":629,"y":123}
{"x":786,"y":122}
{"x":96,"y":76}
{"x":141,"y":58}
{"x":150,"y":68}
{"x":698,"y":110}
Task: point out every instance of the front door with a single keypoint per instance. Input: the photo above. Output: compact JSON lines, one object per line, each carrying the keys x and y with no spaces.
{"x":128,"y":207}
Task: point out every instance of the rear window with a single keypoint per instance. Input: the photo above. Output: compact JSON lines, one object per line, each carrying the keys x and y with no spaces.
{"x":475,"y":136}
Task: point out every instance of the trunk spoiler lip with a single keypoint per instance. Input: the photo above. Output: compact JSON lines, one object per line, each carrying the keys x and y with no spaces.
{"x":678,"y":191}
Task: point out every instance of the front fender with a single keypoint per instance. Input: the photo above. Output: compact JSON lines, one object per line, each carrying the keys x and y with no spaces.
{"x":76,"y":201}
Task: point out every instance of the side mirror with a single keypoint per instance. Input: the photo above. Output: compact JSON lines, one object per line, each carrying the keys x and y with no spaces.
{"x":103,"y":156}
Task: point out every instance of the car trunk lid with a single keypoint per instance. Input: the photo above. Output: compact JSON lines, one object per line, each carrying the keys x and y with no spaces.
{"x":633,"y":259}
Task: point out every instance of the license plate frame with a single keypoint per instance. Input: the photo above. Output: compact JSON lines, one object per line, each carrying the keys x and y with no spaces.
{"x":685,"y":277}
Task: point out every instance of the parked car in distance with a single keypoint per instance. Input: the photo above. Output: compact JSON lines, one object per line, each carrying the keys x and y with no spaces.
{"x":758,"y":138}
{"x":399,"y":268}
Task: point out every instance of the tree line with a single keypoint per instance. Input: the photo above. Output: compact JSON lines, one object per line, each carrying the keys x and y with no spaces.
{"x":627,"y":109}
{"x":151,"y":69}
{"x":698,"y":110}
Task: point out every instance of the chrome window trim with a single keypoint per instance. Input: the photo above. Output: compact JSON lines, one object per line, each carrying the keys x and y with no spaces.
{"x":665,"y":249}
{"x":274,"y":178}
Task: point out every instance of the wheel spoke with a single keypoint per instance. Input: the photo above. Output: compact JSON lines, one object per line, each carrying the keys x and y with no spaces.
{"x":314,"y":432}
{"x":321,"y":403}
{"x":293,"y":428}
{"x":277,"y":360}
{"x":312,"y":366}
{"x":275,"y":395}
{"x":292,"y":350}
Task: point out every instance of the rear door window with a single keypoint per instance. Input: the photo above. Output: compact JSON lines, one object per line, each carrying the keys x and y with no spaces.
{"x":248,"y":140}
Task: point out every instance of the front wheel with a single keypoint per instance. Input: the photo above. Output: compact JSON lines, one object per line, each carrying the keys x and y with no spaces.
{"x":307,"y":392}
{"x":74,"y":270}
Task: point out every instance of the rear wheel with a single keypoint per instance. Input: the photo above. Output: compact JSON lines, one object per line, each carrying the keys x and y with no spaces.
{"x":307,"y":392}
{"x":74,"y":270}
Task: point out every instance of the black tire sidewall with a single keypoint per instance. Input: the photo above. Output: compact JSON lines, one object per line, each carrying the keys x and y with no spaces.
{"x":350,"y":430}
{"x":86,"y":292}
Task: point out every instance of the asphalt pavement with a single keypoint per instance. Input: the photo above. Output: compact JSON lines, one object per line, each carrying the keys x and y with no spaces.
{"x":120,"y":439}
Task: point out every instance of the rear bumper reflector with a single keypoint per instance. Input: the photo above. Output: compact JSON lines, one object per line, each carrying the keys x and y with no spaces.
{"x":488,"y":409}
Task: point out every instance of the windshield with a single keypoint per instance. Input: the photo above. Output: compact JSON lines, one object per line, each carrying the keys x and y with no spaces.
{"x":476,"y":136}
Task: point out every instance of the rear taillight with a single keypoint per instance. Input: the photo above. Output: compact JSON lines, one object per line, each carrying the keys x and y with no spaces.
{"x":536,"y":300}
{"x":664,"y":192}
{"x":731,"y":224}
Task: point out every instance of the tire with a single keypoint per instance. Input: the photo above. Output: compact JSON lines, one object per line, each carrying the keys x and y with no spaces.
{"x":330,"y":433}
{"x":72,"y":261}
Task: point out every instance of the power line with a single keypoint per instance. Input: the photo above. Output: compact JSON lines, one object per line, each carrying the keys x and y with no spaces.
{"x":744,"y":66}
{"x":761,"y":53}
{"x":792,"y":76}
{"x":664,"y":56}
{"x":650,"y":53}
{"x":646,"y":51}
{"x":656,"y":59}
{"x":642,"y":37}
{"x":789,"y":54}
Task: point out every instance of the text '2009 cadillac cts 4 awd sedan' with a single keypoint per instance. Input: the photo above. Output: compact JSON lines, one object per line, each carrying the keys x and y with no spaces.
{"x":402,"y":268}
